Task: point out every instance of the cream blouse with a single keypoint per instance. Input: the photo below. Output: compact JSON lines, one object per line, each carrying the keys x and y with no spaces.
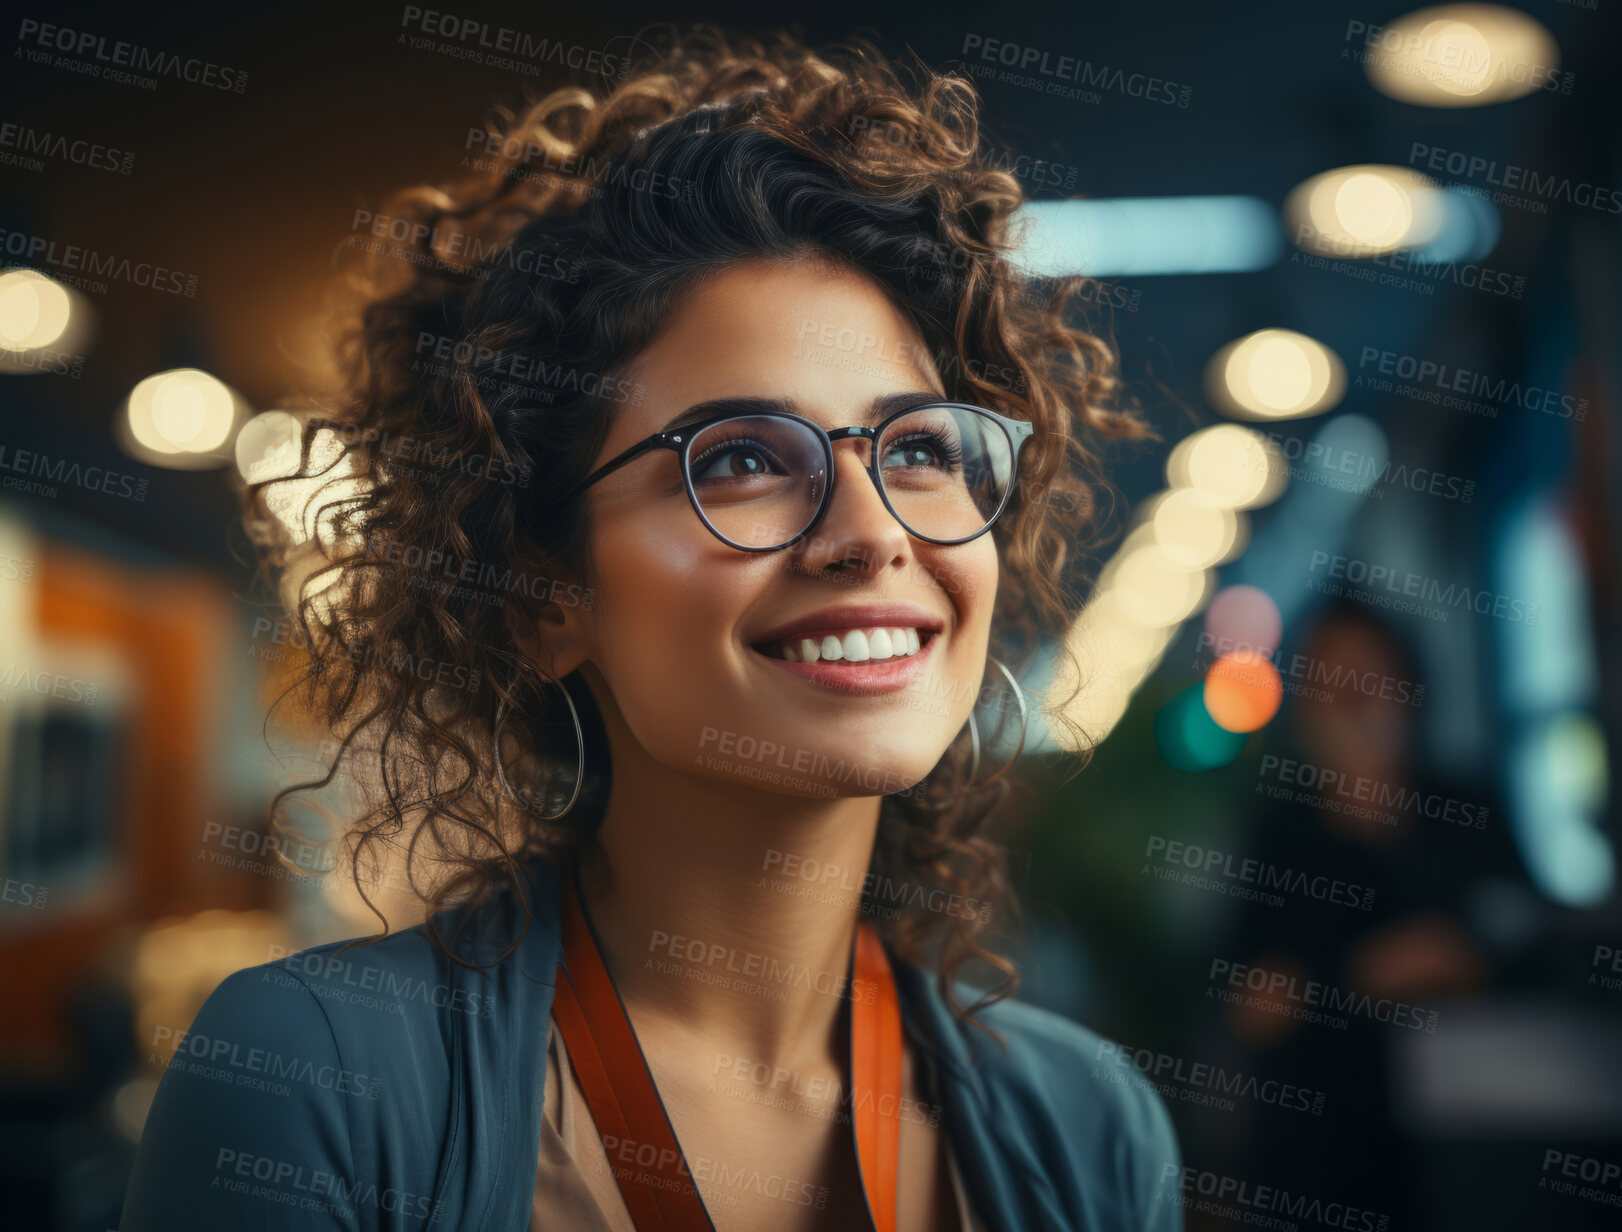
{"x":574,"y":1183}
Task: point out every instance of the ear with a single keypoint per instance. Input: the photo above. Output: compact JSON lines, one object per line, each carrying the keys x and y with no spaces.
{"x":553,"y":638}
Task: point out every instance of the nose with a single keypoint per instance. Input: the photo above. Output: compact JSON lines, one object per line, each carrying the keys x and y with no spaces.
{"x":857,"y":524}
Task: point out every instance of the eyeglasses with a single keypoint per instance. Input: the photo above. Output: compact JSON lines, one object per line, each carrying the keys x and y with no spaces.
{"x":763,"y":481}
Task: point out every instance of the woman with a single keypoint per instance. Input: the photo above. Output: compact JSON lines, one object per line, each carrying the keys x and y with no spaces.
{"x":712,"y":459}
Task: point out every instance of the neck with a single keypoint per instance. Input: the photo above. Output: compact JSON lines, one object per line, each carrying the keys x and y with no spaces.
{"x":699,"y":894}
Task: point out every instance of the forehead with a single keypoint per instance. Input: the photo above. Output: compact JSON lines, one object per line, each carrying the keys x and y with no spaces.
{"x":826,"y":339}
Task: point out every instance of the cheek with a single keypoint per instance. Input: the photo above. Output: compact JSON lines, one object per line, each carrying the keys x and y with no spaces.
{"x":969,"y":575}
{"x":671,"y":602}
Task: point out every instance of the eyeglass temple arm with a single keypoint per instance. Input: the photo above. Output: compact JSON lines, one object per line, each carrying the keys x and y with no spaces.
{"x":659,"y":440}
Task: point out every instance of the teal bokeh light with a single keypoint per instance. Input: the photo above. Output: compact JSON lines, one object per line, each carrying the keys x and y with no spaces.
{"x":1188,"y":738}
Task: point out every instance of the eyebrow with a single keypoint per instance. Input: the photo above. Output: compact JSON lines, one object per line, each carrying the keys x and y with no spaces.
{"x":884,"y":404}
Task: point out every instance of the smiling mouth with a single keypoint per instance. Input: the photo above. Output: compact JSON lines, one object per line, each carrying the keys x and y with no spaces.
{"x":908,"y":658}
{"x":850,"y":648}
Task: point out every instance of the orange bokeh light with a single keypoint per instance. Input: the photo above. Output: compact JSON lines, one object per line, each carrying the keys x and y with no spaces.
{"x":1243,"y":691}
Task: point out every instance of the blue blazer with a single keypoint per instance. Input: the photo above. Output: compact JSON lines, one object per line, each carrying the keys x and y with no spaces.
{"x":387,"y":1087}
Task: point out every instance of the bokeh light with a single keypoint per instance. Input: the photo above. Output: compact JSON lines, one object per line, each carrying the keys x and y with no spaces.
{"x":1187,"y":738}
{"x":184,"y":413}
{"x":1365,"y":210}
{"x":1462,"y":55}
{"x":1274,"y":374}
{"x":34,"y":310}
{"x":1243,"y":691}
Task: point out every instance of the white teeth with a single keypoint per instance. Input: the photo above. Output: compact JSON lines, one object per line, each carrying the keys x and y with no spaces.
{"x":854,"y":646}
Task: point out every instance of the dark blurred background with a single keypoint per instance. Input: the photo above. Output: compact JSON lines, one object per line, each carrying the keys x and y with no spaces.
{"x":1341,"y":877}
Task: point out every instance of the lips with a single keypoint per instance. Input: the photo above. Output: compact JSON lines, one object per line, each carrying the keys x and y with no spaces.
{"x":839,"y":628}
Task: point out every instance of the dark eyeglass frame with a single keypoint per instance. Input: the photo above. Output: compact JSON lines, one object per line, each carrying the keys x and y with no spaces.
{"x":1015,"y":431}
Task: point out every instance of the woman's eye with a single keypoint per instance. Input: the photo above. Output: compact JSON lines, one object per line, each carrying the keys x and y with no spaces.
{"x":919,"y":451}
{"x":731,"y":462}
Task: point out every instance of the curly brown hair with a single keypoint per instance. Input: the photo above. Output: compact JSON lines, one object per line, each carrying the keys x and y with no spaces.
{"x":482,"y":347}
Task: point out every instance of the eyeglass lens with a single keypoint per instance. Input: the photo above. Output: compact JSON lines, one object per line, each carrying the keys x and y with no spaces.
{"x":760,"y":478}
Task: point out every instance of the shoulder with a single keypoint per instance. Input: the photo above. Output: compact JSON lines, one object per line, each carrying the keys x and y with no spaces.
{"x":1050,"y":1057}
{"x":1103,"y":1126}
{"x":248,"y":1103}
{"x":272,"y":1100}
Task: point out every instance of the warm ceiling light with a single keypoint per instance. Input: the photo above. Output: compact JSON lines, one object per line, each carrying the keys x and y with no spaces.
{"x":1228,"y":467}
{"x":1365,"y":210}
{"x":183,"y":411}
{"x":34,"y":310}
{"x":1463,"y":55}
{"x":1192,"y":535}
{"x":1274,"y":374}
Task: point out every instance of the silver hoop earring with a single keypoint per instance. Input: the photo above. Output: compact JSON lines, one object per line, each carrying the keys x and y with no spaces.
{"x":974,"y":730}
{"x":580,"y":768}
